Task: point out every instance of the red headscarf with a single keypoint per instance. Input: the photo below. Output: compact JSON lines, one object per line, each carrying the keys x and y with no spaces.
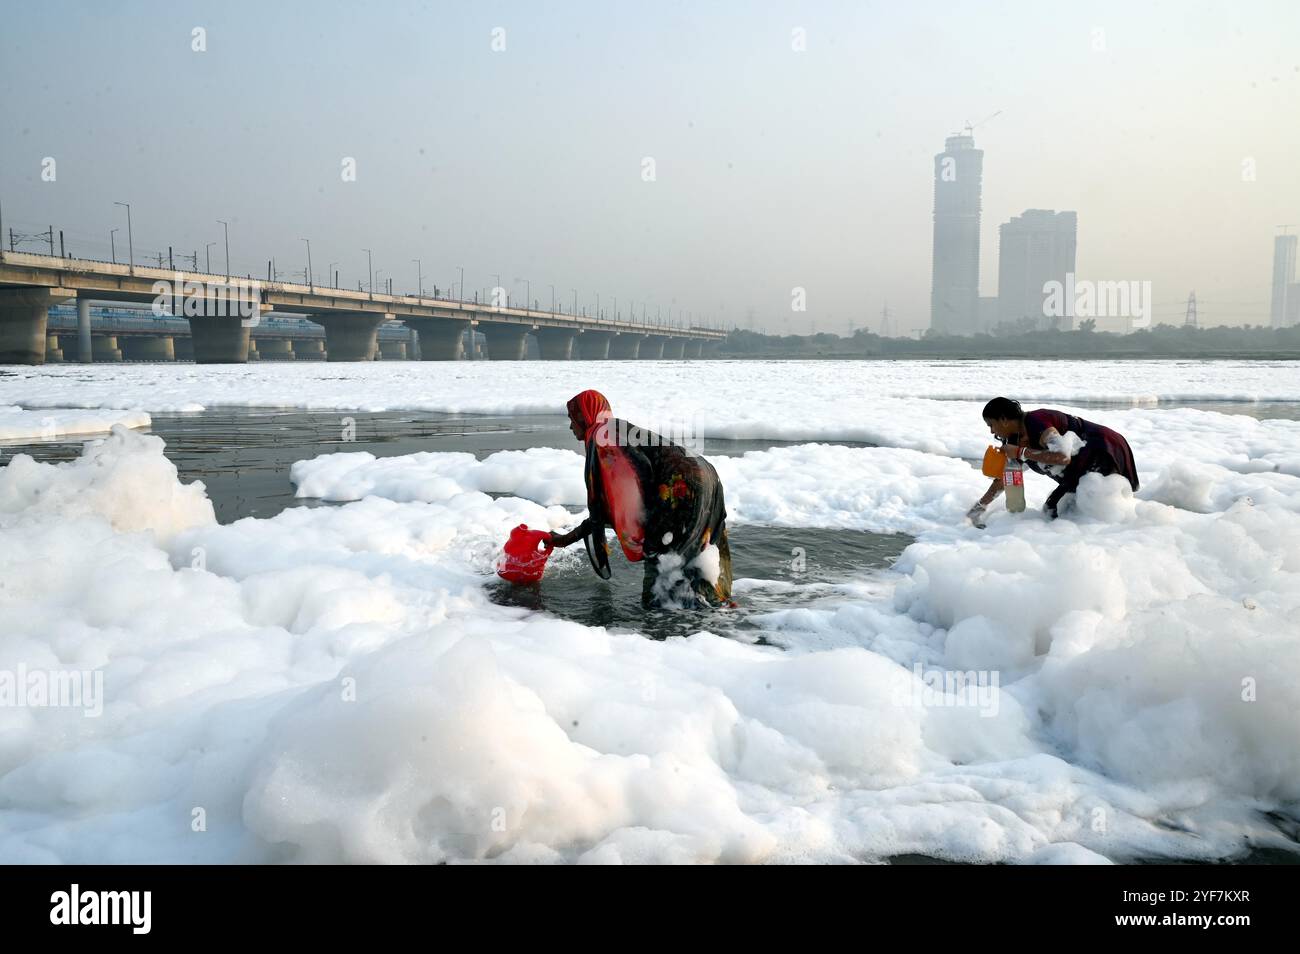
{"x":588,"y":410}
{"x":611,"y":475}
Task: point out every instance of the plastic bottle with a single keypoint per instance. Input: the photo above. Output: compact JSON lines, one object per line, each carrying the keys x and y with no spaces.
{"x":1013,"y":483}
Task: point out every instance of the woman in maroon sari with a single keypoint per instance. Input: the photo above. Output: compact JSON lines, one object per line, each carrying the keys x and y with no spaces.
{"x":1037,"y":438}
{"x":664,"y":504}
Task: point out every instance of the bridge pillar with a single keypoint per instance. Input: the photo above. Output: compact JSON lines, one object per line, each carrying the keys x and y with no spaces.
{"x":275,"y":349}
{"x":105,"y":348}
{"x":695,"y":348}
{"x":85,"y":352}
{"x":505,"y":342}
{"x":674,"y":349}
{"x":625,"y":346}
{"x":148,"y":348}
{"x":53,"y":353}
{"x":392,"y":350}
{"x":253,"y":353}
{"x":556,"y":344}
{"x":183,"y":348}
{"x":353,"y":336}
{"x":652,"y":349}
{"x":594,"y":345}
{"x":219,"y":340}
{"x":441,"y":339}
{"x":23,"y":316}
{"x":309,"y":349}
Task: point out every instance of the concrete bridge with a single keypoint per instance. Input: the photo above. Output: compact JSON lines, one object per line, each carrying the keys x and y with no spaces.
{"x":130,"y":333}
{"x":213,"y":307}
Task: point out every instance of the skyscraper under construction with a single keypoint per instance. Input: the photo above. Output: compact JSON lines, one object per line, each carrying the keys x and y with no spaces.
{"x":954,"y":284}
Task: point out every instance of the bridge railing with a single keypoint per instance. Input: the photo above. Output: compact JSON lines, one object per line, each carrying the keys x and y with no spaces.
{"x":476,"y":308}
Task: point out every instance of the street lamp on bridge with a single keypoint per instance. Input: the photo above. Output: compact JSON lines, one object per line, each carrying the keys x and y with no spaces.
{"x":311,"y":279}
{"x":130,"y":240}
{"x":226,"y":226}
{"x":419,"y":278}
{"x":112,"y":243}
{"x":371,"y":262}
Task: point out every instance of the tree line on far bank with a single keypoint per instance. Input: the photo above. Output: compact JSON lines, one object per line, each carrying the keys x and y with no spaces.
{"x":1160,"y":341}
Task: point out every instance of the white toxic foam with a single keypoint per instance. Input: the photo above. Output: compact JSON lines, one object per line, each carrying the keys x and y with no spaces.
{"x":334,"y":685}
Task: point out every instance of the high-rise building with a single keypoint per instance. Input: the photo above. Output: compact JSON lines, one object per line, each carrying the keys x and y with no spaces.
{"x":955,"y":279}
{"x":987,"y":316}
{"x":1284,"y":249}
{"x":1034,"y":248}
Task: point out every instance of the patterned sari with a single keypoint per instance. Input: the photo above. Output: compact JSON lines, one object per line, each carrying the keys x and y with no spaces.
{"x":664,"y":504}
{"x":1105,"y":451}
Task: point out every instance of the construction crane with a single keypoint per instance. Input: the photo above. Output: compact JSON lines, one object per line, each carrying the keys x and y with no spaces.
{"x":971,"y":127}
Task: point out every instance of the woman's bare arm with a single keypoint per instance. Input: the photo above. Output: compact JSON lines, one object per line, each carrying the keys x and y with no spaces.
{"x":562,"y":540}
{"x":1037,"y":454}
{"x":992,"y":493}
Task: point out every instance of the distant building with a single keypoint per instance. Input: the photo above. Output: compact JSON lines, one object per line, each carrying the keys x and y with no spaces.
{"x":1035,"y":247}
{"x":1284,"y":251}
{"x":987,"y":316}
{"x":954,"y":284}
{"x":1292,"y":315}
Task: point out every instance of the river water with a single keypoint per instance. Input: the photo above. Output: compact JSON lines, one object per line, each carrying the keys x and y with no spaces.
{"x":243,"y":457}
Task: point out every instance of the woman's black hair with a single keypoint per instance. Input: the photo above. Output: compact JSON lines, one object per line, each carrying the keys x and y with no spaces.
{"x":1003,"y":409}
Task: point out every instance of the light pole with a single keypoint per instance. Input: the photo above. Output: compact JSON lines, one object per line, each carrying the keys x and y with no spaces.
{"x":130,"y":240}
{"x":462,"y":285}
{"x":575,"y":301}
{"x":329,"y":275}
{"x":112,"y":243}
{"x":311,"y":280}
{"x":419,"y":278}
{"x":226,"y":226}
{"x":207,"y":254}
{"x":552,"y":299}
{"x":370,"y":260}
{"x":497,"y":276}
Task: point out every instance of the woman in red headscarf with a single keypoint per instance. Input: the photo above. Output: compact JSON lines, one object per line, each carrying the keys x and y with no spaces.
{"x":664,"y":504}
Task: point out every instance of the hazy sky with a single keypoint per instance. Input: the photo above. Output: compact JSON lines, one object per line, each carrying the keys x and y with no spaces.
{"x":774,"y":168}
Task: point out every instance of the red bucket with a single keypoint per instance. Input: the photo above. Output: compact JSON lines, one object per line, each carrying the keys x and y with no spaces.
{"x":524,"y":556}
